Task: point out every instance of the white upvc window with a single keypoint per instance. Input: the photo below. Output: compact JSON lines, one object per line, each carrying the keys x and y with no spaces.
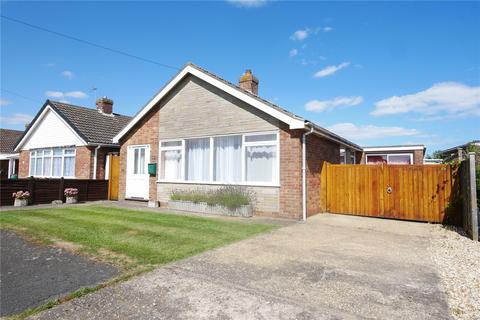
{"x":52,"y":162}
{"x":251,"y":158}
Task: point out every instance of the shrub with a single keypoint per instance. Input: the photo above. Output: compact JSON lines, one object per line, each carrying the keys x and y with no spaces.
{"x":231,"y":197}
{"x":21,"y":195}
{"x":70,"y":192}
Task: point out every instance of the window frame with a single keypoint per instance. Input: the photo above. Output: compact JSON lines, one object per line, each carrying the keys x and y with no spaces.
{"x":388,"y":157}
{"x":245,"y":144}
{"x":52,"y":156}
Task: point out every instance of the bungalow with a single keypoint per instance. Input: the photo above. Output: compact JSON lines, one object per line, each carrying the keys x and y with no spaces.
{"x":402,"y":154}
{"x":8,"y":156}
{"x":66,"y":140}
{"x":204,"y":132}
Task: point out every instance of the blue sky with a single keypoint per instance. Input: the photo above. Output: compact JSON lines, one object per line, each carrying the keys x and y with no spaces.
{"x":377,"y":73}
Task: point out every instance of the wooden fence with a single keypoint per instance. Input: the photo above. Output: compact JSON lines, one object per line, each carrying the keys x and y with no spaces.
{"x":470,"y":210}
{"x":48,"y":190}
{"x":407,"y":192}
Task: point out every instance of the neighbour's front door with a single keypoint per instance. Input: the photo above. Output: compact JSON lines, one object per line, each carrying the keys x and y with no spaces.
{"x":137,"y":173}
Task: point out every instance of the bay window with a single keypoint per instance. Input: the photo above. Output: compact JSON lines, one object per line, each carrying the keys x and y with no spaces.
{"x":52,"y":162}
{"x":231,"y":159}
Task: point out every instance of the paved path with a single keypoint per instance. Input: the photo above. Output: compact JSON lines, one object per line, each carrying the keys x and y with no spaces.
{"x":333,"y":267}
{"x":31,"y":275}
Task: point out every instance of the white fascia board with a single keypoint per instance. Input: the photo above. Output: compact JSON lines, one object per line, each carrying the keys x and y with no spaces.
{"x":6,"y":156}
{"x":37,"y":123}
{"x":292,"y":122}
{"x":399,"y":148}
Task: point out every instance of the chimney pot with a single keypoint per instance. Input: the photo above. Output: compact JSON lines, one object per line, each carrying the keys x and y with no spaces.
{"x":105,"y":105}
{"x":249,"y":82}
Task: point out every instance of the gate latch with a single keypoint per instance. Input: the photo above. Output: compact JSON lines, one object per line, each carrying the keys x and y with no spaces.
{"x":389,"y":189}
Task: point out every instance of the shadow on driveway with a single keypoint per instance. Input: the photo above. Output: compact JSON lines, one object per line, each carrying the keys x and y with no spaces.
{"x":32,"y":275}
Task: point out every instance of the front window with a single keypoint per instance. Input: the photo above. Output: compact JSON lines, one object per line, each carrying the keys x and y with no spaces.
{"x":52,"y":162}
{"x":389,"y":159}
{"x":248,"y":158}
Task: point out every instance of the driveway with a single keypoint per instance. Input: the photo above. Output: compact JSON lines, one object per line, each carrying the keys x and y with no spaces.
{"x":333,"y":267}
{"x":32,"y":275}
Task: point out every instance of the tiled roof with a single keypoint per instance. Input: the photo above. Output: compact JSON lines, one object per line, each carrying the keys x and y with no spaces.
{"x":8,"y":139}
{"x":90,"y":124}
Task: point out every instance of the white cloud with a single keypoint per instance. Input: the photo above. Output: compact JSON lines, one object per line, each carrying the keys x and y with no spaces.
{"x":366,"y":132}
{"x":17,"y":118}
{"x":247,"y":3}
{"x":293,"y":52}
{"x":68,"y":74}
{"x":5,"y":102}
{"x":444,"y":100}
{"x":328,"y":71}
{"x":319,"y":106}
{"x":71,"y":94}
{"x":327,"y":29}
{"x":300,"y":35}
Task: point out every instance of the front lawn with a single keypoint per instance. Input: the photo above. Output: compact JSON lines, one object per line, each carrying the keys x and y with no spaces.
{"x":128,"y":238}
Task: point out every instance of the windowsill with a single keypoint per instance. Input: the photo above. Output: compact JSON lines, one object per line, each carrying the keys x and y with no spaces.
{"x":244,"y":184}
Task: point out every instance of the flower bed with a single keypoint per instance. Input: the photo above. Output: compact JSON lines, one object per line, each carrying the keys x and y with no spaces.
{"x":231,"y":201}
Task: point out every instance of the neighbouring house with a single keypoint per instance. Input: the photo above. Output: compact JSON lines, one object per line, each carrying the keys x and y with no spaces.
{"x":460,"y":152}
{"x":402,"y":154}
{"x":8,"y":156}
{"x":205,"y":132}
{"x":66,"y":140}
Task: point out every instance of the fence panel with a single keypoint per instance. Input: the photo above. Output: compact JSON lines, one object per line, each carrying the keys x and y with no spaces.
{"x":413,"y":192}
{"x":48,"y":190}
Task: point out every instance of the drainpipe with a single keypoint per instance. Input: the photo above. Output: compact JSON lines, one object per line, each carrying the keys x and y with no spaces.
{"x":304,"y":173}
{"x":95,"y":162}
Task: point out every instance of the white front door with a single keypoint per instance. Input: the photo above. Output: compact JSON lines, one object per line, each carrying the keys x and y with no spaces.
{"x":137,"y":173}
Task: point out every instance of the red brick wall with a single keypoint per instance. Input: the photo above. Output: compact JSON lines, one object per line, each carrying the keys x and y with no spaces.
{"x":418,"y":157}
{"x":102,"y":160}
{"x":84,"y":162}
{"x":144,"y":132}
{"x":290,"y":173}
{"x":318,"y":151}
{"x":24,"y":165}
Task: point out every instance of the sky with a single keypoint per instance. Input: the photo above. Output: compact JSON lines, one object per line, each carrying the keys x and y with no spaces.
{"x":377,"y":73}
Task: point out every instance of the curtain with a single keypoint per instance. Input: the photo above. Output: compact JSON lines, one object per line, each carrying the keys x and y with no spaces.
{"x":47,"y":166}
{"x":57,"y":166}
{"x":38,"y":170}
{"x":228,"y":159}
{"x":69,"y":166}
{"x":171,"y":164}
{"x":261,"y":163}
{"x":197,"y":159}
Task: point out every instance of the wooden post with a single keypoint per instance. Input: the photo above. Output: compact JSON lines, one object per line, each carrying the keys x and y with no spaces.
{"x":473,"y":195}
{"x":31,"y":189}
{"x":61,"y":188}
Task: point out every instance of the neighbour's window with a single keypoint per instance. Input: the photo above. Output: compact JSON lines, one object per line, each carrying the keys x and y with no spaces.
{"x":342,"y":156}
{"x":52,"y":162}
{"x":376,"y":159}
{"x":249,"y":158}
{"x":389,"y":159}
{"x":399,"y":159}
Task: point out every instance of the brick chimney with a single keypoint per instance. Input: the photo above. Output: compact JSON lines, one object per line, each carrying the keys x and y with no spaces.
{"x":249,"y":82}
{"x":105,"y":105}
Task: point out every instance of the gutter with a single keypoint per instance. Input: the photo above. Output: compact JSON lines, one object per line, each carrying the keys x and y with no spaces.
{"x":304,"y":173}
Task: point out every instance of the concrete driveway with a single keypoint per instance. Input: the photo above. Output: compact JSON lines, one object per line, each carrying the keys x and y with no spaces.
{"x":333,"y":267}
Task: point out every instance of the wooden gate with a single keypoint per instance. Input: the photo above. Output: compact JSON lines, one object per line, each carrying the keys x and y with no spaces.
{"x":113,"y":176}
{"x":407,"y":192}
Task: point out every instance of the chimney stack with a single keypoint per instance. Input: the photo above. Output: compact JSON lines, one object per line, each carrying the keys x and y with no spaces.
{"x":249,"y":82}
{"x":104,"y":105}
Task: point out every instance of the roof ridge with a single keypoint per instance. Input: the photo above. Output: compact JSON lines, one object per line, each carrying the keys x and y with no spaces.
{"x":83,"y":107}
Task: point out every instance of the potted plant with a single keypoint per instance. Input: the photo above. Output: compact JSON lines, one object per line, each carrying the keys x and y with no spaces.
{"x":71,"y":194}
{"x":21,"y":198}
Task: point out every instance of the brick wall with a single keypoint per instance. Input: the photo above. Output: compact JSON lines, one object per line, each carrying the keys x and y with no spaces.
{"x":290,"y":173}
{"x":83,"y":162}
{"x":318,"y":151}
{"x":418,"y":157}
{"x":144,"y":132}
{"x":102,"y":160}
{"x":24,"y":164}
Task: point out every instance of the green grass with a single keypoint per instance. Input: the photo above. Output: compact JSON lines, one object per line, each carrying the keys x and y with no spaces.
{"x":133,"y":240}
{"x":129,"y":238}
